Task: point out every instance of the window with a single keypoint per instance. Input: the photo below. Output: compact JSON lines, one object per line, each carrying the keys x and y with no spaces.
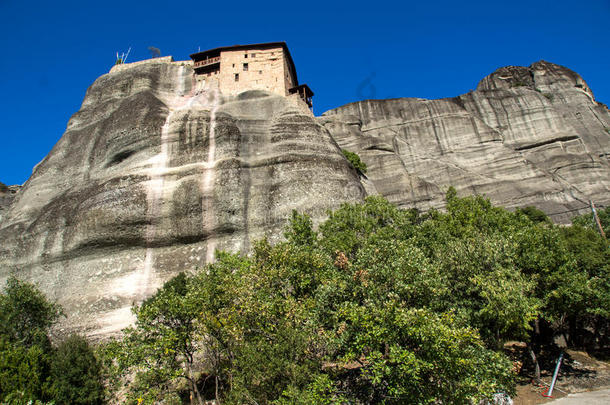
{"x":236,"y":77}
{"x":246,"y":56}
{"x":260,"y":72}
{"x":245,"y":67}
{"x":234,"y":65}
{"x":253,"y":55}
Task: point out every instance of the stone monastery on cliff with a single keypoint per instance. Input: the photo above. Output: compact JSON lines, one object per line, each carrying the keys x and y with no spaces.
{"x":235,"y":69}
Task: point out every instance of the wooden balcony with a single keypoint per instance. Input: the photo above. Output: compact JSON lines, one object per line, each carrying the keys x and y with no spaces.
{"x":206,"y":62}
{"x":304,"y":92}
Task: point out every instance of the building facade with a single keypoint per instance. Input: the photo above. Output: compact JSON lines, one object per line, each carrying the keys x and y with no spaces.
{"x":234,"y":69}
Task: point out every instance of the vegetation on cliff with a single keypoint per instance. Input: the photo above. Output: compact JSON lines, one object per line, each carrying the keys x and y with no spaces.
{"x":355,"y":161}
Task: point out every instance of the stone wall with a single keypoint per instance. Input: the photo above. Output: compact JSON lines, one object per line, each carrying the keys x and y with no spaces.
{"x":267,"y":70}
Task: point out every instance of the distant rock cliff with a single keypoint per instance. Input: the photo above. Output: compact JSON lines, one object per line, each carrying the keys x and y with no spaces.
{"x":526,"y":136}
{"x":153,"y":174}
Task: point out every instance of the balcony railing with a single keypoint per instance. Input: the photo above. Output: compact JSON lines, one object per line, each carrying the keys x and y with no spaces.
{"x":206,"y":62}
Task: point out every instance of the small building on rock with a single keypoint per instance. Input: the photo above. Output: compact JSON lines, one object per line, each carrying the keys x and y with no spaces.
{"x":238,"y":68}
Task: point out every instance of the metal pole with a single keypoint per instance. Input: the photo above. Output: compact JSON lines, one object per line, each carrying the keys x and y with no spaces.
{"x":596,"y":219}
{"x":550,"y":391}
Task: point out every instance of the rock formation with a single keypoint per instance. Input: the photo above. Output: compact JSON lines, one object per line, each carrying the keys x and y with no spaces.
{"x":153,"y":173}
{"x":151,"y":176}
{"x":526,"y":136}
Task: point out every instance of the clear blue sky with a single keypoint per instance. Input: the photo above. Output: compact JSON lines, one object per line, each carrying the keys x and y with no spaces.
{"x":345,"y":50}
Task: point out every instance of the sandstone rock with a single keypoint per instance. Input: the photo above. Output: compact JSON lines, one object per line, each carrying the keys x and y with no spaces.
{"x":151,"y":176}
{"x":526,"y":136}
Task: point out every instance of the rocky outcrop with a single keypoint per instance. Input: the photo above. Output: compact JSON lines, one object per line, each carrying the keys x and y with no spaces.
{"x":526,"y":136}
{"x":153,"y":173}
{"x":7,"y":195}
{"x":151,"y":176}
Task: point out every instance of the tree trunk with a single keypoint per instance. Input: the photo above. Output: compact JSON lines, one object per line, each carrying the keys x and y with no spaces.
{"x":530,"y":348}
{"x":216,"y":389}
{"x":194,"y":389}
{"x":536,"y":365}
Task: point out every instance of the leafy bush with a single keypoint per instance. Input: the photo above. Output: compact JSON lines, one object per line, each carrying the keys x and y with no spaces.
{"x":355,"y":161}
{"x":75,"y":373}
{"x":534,"y":214}
{"x":31,"y":369}
{"x":25,"y":313}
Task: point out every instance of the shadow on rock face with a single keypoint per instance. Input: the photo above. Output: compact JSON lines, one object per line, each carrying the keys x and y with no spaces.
{"x":252,"y":94}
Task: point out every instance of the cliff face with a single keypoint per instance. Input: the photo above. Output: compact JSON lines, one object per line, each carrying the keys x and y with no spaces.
{"x":526,"y":136}
{"x":7,"y":195}
{"x":153,"y":174}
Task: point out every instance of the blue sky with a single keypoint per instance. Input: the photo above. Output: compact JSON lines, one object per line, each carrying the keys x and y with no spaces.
{"x":346,"y":51}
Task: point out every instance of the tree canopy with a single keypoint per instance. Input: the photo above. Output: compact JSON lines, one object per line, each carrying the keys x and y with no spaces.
{"x":32,"y":370}
{"x":376,"y":305}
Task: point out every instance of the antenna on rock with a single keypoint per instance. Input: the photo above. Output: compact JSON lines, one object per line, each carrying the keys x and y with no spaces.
{"x":121,"y":59}
{"x":125,"y":58}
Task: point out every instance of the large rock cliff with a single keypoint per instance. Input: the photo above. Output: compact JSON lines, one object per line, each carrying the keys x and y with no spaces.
{"x":153,"y":173}
{"x":151,"y":176}
{"x":526,"y":136}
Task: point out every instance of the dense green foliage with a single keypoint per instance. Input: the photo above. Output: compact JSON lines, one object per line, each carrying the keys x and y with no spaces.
{"x":587,"y":220}
{"x":31,"y":369}
{"x":379,"y":305}
{"x":355,"y":161}
{"x":75,"y":373}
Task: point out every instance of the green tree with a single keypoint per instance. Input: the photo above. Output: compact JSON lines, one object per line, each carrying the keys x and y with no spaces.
{"x":26,"y":352}
{"x":25,"y":313}
{"x":24,"y":372}
{"x":76,"y":373}
{"x":161,"y":346}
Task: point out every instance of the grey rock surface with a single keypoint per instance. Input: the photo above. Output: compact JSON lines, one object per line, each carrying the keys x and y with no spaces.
{"x":7,"y":195}
{"x":526,"y":136}
{"x":151,"y":176}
